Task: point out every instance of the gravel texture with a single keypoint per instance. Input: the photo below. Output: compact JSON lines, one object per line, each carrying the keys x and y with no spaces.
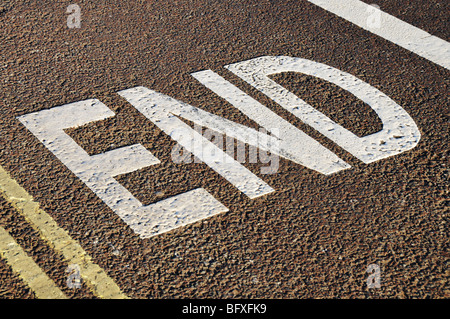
{"x":315,"y":236}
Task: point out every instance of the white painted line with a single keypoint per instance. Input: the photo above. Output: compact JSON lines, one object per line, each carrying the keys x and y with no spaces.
{"x":399,"y":132}
{"x":98,"y":171}
{"x":160,"y":109}
{"x":390,"y":28}
{"x":294,"y":144}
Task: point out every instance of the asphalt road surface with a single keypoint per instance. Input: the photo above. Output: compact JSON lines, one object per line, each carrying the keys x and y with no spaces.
{"x":334,"y":223}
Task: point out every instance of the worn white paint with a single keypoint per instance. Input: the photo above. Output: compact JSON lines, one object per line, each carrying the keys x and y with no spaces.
{"x":293,"y":144}
{"x":98,"y":171}
{"x":163,"y":110}
{"x":399,"y":132}
{"x":390,"y":28}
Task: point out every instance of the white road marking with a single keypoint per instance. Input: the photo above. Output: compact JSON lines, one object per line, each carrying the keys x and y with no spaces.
{"x":294,"y":144}
{"x":391,"y":28}
{"x":399,"y":132}
{"x":161,"y":110}
{"x":98,"y":171}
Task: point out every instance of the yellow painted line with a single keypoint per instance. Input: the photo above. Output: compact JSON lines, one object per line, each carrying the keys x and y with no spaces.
{"x":28,"y":270}
{"x":94,"y":276}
